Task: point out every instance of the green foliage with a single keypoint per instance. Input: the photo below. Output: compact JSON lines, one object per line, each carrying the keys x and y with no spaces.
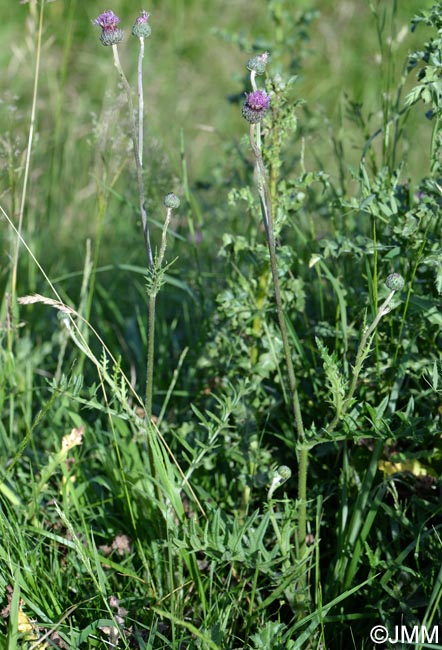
{"x":428,"y":89}
{"x":337,"y":384}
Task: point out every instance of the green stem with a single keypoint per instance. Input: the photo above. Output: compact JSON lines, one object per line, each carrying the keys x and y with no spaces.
{"x":302,"y":449}
{"x":266,"y":207}
{"x":375,"y":287}
{"x":16,"y":253}
{"x":434,"y":162}
{"x":137,"y":140}
{"x":150,"y":355}
{"x":302,"y":453}
{"x":151,"y":317}
{"x":363,"y":350}
{"x":409,"y":292}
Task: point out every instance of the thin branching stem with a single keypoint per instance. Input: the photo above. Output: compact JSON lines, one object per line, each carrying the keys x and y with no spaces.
{"x":136,"y":145}
{"x":137,"y":140}
{"x":361,"y":355}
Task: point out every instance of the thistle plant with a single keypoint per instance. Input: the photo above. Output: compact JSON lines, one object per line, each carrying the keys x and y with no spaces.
{"x":111,"y":36}
{"x":255,"y":108}
{"x":98,"y":497}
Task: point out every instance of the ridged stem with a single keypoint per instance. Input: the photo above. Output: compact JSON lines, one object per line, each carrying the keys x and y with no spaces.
{"x":151,"y":317}
{"x":302,"y":450}
{"x":150,"y":356}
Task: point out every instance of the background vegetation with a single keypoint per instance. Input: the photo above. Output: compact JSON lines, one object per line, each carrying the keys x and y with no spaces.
{"x":96,"y":552}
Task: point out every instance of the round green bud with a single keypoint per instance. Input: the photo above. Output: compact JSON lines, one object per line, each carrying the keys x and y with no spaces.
{"x":280,"y":476}
{"x":258,"y":63}
{"x":111,"y":36}
{"x":171,"y":201}
{"x":143,"y":30}
{"x":395,"y":282}
{"x":284,"y":472}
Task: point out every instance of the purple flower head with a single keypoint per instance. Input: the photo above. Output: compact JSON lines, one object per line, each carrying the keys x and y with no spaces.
{"x":111,"y":34}
{"x":258,"y":100}
{"x":108,"y":21}
{"x":142,"y":29}
{"x":256,"y":106}
{"x":143,"y":18}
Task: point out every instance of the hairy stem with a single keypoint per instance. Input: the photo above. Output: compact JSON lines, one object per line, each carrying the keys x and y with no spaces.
{"x":268,"y":225}
{"x":302,"y":453}
{"x":140,"y":102}
{"x":137,"y":141}
{"x":150,"y":356}
{"x":136,"y":145}
{"x":152,"y":307}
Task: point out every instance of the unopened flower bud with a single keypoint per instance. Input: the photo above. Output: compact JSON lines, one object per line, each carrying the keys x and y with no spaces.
{"x":256,"y":106}
{"x":280,"y":476}
{"x":171,"y":201}
{"x":284,"y":472}
{"x":111,"y":37}
{"x":142,"y":29}
{"x":395,"y":282}
{"x":258,"y":63}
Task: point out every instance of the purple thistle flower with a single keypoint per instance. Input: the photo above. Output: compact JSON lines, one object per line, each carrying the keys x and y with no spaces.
{"x":107,"y":20}
{"x":258,"y":100}
{"x":256,"y":106}
{"x":142,"y":29}
{"x":111,"y":34}
{"x":143,"y":18}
